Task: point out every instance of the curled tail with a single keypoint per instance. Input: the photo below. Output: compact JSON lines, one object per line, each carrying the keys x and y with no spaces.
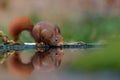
{"x":18,"y":25}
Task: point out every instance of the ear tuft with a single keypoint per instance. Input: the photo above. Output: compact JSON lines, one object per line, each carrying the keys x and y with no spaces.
{"x":57,"y":29}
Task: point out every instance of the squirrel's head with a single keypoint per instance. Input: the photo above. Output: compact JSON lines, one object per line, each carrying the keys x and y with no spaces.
{"x":53,"y":37}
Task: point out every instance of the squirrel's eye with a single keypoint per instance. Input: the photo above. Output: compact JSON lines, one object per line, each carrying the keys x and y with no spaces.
{"x":56,"y":40}
{"x":56,"y":54}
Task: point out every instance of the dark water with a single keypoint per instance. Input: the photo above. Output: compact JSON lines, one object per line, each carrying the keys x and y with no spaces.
{"x":48,"y":65}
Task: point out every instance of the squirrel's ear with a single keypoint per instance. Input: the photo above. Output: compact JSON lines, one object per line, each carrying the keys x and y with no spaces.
{"x":57,"y":29}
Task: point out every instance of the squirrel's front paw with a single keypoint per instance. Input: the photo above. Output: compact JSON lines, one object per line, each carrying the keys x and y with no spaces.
{"x":39,"y":45}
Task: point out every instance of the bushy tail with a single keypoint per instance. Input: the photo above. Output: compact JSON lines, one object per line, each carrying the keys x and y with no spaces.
{"x":18,"y":25}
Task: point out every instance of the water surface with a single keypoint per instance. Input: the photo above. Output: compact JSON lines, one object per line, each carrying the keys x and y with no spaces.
{"x":49,"y":65}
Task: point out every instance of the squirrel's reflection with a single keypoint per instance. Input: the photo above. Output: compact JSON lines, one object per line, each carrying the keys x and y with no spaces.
{"x":43,"y":61}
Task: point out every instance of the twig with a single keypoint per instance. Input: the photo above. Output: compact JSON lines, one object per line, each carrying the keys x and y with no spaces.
{"x":27,"y":46}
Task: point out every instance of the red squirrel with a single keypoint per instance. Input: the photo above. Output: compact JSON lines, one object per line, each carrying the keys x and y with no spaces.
{"x":42,"y":32}
{"x":47,"y":33}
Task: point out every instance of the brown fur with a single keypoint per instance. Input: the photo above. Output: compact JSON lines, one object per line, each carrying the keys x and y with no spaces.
{"x":47,"y":33}
{"x":42,"y":32}
{"x":18,"y":25}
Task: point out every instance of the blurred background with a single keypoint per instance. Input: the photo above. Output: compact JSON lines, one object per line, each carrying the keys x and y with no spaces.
{"x":90,"y":21}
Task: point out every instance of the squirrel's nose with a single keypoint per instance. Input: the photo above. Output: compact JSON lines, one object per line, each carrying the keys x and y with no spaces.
{"x":60,"y":43}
